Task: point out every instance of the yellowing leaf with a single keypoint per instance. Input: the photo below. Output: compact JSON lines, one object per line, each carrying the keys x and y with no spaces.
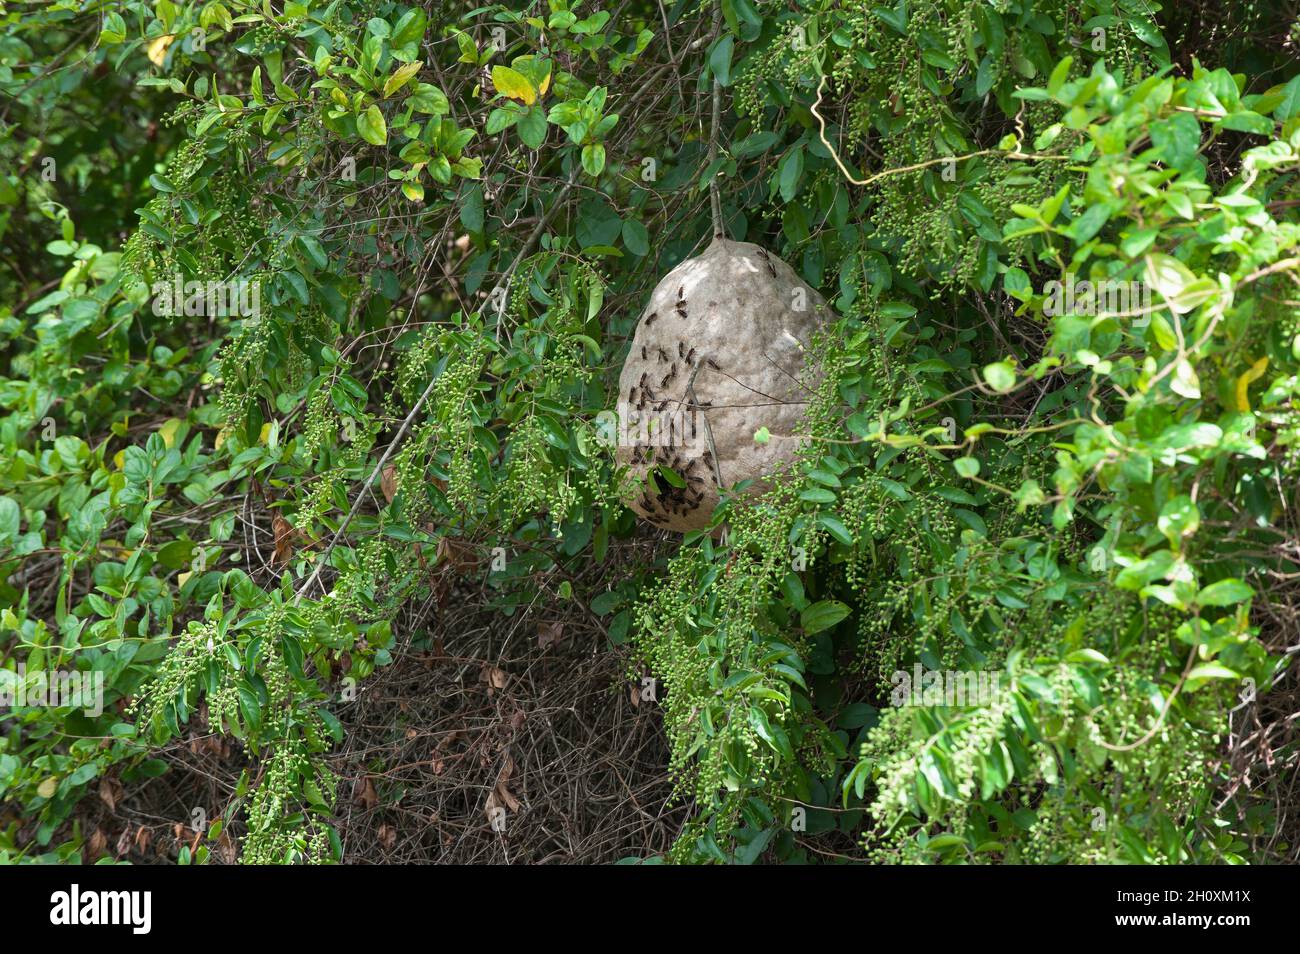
{"x":158,"y":49}
{"x":221,"y":438}
{"x":1244,"y":382}
{"x":47,"y":787}
{"x":372,"y":126}
{"x":119,"y":458}
{"x":168,"y":431}
{"x":400,"y":77}
{"x":513,"y":84}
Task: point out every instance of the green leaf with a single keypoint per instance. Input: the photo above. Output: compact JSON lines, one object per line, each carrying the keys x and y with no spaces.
{"x":1212,"y":671}
{"x":754,"y":144}
{"x":1177,"y":139}
{"x":314,"y":251}
{"x":636,"y":237}
{"x":1000,"y":376}
{"x":1225,"y":593}
{"x":593,"y":159}
{"x":532,"y":127}
{"x":426,"y":98}
{"x":372,"y":127}
{"x":1185,"y":381}
{"x":720,"y":59}
{"x":10,"y":516}
{"x":835,"y":527}
{"x":791,"y":170}
{"x":822,"y":615}
{"x":1290,"y":104}
{"x":1059,"y":75}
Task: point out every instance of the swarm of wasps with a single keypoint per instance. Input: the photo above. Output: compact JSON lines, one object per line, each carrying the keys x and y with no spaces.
{"x":645,"y":395}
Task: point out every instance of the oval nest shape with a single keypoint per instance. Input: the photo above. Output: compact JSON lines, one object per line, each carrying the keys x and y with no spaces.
{"x":720,"y":353}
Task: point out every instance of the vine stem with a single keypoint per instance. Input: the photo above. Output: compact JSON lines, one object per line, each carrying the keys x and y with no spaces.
{"x":917,"y":166}
{"x":715,"y":200}
{"x":502,"y":293}
{"x":1160,"y":720}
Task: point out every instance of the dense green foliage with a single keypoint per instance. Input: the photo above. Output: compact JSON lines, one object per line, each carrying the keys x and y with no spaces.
{"x":452,"y":218}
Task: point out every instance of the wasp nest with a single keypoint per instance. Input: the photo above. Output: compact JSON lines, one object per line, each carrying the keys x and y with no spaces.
{"x":718,"y":355}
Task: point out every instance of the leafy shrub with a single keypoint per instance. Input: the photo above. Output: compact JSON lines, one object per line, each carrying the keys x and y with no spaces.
{"x":450,"y":224}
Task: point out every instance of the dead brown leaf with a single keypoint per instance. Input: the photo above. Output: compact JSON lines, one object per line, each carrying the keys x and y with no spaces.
{"x":502,"y":790}
{"x":110,"y":792}
{"x":456,"y":555}
{"x":286,"y":538}
{"x":364,"y":793}
{"x":388,"y":482}
{"x":549,"y":634}
{"x":226,"y":848}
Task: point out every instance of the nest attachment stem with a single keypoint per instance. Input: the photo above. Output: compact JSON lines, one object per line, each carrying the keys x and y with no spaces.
{"x":715,"y":200}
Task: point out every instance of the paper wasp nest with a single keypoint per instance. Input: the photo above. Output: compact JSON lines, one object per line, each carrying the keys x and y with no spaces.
{"x":718,"y":354}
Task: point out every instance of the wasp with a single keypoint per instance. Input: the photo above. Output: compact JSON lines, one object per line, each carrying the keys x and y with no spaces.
{"x":650,"y":318}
